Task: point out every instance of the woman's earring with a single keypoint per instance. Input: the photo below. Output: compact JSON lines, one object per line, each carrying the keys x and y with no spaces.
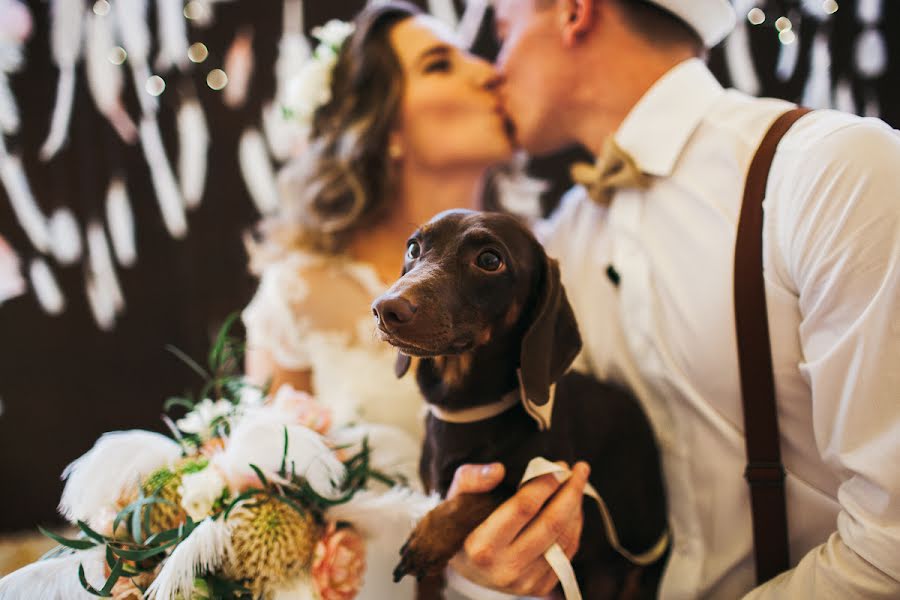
{"x":395,"y":151}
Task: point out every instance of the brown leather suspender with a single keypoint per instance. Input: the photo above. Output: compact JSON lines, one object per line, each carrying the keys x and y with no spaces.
{"x":764,"y":473}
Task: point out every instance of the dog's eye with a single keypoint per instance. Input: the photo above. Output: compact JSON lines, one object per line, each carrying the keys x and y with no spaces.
{"x":413,"y":251}
{"x":489,"y":260}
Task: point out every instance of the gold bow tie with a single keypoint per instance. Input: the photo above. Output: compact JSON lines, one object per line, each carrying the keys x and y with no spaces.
{"x":614,"y":169}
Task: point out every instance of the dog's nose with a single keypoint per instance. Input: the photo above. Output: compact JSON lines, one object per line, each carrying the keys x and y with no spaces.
{"x":391,"y":311}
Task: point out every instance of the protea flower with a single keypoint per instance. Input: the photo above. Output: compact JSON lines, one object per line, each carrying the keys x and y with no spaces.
{"x":164,"y":483}
{"x":272,"y":542}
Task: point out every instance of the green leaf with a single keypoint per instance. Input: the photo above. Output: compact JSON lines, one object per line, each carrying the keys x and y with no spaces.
{"x":190,"y":362}
{"x":90,"y":532}
{"x":215,"y":353}
{"x":113,"y":578}
{"x":259,"y":473}
{"x":74,"y":544}
{"x":88,"y":587}
{"x":247,"y":494}
{"x":283,"y":470}
{"x":178,"y":401}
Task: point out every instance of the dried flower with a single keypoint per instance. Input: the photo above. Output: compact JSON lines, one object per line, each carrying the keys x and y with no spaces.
{"x":339,"y":563}
{"x":302,"y":409}
{"x":165,"y":484}
{"x":272,"y":541}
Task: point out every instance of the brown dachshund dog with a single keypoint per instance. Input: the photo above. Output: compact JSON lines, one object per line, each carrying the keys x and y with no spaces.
{"x":481,"y":305}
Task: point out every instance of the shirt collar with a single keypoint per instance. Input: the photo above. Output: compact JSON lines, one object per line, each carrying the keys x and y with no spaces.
{"x":657,"y":128}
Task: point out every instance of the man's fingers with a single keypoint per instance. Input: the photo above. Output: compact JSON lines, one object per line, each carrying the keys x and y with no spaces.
{"x":505,"y":523}
{"x":556,"y":523}
{"x":476,"y":479}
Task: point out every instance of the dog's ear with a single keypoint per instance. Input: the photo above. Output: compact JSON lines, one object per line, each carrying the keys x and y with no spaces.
{"x":552,"y":341}
{"x":402,"y":364}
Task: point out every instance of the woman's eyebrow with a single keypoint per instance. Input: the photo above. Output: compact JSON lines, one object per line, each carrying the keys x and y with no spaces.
{"x":436,"y":50}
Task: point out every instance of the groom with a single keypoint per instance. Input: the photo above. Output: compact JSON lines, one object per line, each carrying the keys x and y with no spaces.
{"x":647,"y":263}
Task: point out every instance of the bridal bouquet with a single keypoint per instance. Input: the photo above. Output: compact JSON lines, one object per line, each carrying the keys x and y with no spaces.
{"x":253,"y":496}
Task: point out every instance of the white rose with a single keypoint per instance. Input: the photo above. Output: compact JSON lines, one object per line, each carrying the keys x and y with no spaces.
{"x":200,"y":419}
{"x":309,"y":89}
{"x":333,"y":33}
{"x":199,"y":491}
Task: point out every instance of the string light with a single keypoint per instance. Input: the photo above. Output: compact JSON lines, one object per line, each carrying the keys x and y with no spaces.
{"x":198,"y":52}
{"x":117,"y":55}
{"x":217,"y":79}
{"x":101,"y":8}
{"x":783,"y":24}
{"x":195,"y":10}
{"x":756,"y":16}
{"x":155,"y":85}
{"x":787,"y":37}
{"x":830,"y":6}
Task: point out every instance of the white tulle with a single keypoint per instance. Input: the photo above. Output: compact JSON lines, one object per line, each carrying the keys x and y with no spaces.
{"x":113,"y":467}
{"x":205,"y":550}
{"x":56,"y":578}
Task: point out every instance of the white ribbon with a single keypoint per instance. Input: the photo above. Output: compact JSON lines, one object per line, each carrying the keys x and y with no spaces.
{"x":556,"y":557}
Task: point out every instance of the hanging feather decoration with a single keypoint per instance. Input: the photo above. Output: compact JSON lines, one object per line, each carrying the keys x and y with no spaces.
{"x":788,"y":55}
{"x":131,"y":23}
{"x":869,"y":11}
{"x":843,"y":97}
{"x":193,"y":139}
{"x":256,"y":169}
{"x":65,"y":46}
{"x":101,"y":265}
{"x":164,"y":184}
{"x":65,"y":241}
{"x":737,"y":53}
{"x":9,"y":112}
{"x":11,"y":282}
{"x":173,"y":36}
{"x":817,"y":92}
{"x":205,"y":550}
{"x":57,"y":578}
{"x":284,"y":136}
{"x":104,"y":78}
{"x":45,"y":287}
{"x":871,"y":54}
{"x":444,"y":11}
{"x":24,"y":206}
{"x":239,"y":66}
{"x":101,"y":305}
{"x":120,"y":220}
{"x":471,"y":21}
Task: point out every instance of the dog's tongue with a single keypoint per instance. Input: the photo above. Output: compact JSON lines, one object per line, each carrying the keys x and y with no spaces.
{"x":402,"y":364}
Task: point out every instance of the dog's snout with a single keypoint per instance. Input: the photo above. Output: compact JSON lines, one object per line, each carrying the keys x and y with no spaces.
{"x":392,"y":311}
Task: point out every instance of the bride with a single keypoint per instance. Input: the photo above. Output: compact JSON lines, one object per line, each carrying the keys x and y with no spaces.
{"x":411,"y":125}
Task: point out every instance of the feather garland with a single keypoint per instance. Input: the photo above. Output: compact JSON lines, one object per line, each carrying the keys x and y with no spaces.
{"x":46,"y":288}
{"x":22,"y":200}
{"x":65,"y":46}
{"x":471,"y":21}
{"x":166,"y":187}
{"x":65,"y":241}
{"x":205,"y":550}
{"x":173,"y":36}
{"x":9,"y":112}
{"x":101,"y":304}
{"x":111,"y":469}
{"x":11,"y":282}
{"x":817,"y":91}
{"x":193,"y":140}
{"x":239,"y":64}
{"x":788,"y":55}
{"x":256,"y":168}
{"x":104,"y":78}
{"x":102,"y":267}
{"x":444,"y":11}
{"x":56,"y":578}
{"x":131,"y":22}
{"x":739,"y":59}
{"x":120,"y":220}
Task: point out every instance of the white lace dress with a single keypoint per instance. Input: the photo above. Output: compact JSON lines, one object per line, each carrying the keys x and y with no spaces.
{"x":313,"y":312}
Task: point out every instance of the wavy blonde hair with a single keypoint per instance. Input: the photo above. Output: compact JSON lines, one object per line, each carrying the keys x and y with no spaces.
{"x":343,"y":180}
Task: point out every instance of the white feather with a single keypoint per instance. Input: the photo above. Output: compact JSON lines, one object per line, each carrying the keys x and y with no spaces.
{"x":872,"y":106}
{"x":101,"y":264}
{"x":105,"y":79}
{"x":374,"y":513}
{"x":239,"y":64}
{"x":65,"y":46}
{"x":788,"y":54}
{"x":518,"y":192}
{"x":391,"y":450}
{"x":11,"y":282}
{"x":258,"y":439}
{"x":445,"y":11}
{"x":871,"y":54}
{"x":102,"y":307}
{"x":9,"y":112}
{"x":111,"y":469}
{"x":46,"y":288}
{"x":56,"y":578}
{"x":23,"y":203}
{"x":301,"y":588}
{"x":471,"y":21}
{"x":131,"y":21}
{"x":256,"y":168}
{"x":193,"y":139}
{"x":817,"y":92}
{"x":869,"y":11}
{"x":205,"y":550}
{"x":65,"y":240}
{"x":843,"y":97}
{"x":173,"y":36}
{"x":164,"y":184}
{"x":740,"y":60}
{"x":120,"y":220}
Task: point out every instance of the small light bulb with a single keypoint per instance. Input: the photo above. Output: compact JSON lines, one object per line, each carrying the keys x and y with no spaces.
{"x":756,"y":16}
{"x":117,"y":55}
{"x":787,"y":37}
{"x":155,"y":85}
{"x":783,"y":24}
{"x":830,"y":6}
{"x":217,"y":79}
{"x":195,"y":10}
{"x":101,"y":8}
{"x":198,"y":52}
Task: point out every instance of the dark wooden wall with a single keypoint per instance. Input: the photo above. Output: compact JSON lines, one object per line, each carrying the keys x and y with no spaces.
{"x":63,"y":382}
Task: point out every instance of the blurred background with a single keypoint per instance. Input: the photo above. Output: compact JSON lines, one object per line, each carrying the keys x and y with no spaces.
{"x":139,"y":143}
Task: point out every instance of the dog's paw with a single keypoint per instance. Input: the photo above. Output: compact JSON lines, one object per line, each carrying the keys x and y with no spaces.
{"x":429,"y":548}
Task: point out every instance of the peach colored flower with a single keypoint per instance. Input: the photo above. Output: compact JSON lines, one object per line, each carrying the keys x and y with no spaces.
{"x":339,"y":563}
{"x":212,"y":446}
{"x":303,"y":408}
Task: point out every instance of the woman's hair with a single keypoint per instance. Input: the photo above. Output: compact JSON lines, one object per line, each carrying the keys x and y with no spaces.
{"x":342,"y":180}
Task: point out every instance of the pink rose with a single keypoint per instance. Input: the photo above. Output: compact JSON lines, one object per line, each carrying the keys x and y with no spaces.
{"x":339,"y":564}
{"x":303,"y":408}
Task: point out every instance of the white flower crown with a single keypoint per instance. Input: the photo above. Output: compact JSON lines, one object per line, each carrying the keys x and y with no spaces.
{"x":310,"y":88}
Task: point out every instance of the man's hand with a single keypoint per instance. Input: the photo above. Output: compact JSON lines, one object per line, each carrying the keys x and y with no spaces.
{"x":506,"y":552}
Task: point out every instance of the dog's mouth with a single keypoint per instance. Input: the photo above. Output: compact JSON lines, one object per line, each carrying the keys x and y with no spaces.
{"x":460,"y":345}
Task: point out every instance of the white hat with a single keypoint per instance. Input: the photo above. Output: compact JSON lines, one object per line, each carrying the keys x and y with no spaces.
{"x":711,"y":19}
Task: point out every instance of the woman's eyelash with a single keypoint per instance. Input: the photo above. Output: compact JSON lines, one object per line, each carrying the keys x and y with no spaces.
{"x":439,"y":65}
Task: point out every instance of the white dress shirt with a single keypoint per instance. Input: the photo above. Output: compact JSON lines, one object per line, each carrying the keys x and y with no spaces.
{"x":832,"y":271}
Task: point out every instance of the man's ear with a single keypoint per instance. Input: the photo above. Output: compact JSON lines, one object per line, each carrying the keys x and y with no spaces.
{"x":576,"y":18}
